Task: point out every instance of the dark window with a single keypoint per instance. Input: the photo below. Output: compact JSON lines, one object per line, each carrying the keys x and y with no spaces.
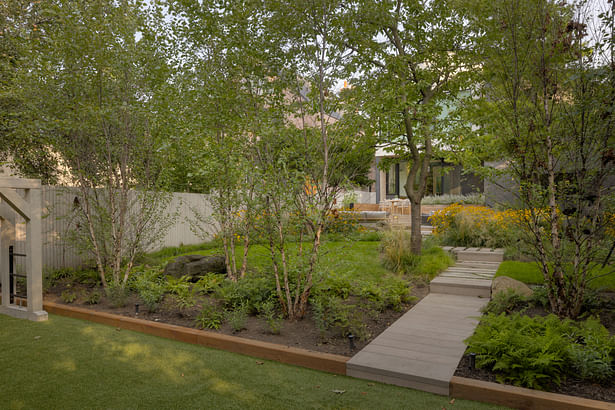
{"x":392,"y":185}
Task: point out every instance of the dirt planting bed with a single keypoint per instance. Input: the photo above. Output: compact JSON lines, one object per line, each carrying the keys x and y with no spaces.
{"x":301,"y":333}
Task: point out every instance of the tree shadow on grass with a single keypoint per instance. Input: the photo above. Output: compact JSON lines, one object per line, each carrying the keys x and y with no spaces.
{"x":68,"y":363}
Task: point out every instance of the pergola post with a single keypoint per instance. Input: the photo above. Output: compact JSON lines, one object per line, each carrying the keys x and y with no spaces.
{"x":7,"y":239}
{"x":29,"y":207}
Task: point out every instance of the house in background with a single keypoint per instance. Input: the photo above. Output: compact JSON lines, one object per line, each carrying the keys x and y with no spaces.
{"x":444,"y":178}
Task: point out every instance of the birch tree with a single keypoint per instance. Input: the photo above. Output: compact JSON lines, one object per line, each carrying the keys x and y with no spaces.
{"x":90,"y":86}
{"x":548,"y":94}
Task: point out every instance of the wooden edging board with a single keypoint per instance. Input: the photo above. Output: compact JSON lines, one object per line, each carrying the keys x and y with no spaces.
{"x":519,"y":397}
{"x":285,"y":354}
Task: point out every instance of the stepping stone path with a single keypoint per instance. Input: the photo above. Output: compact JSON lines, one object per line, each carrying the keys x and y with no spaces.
{"x":422,"y":349}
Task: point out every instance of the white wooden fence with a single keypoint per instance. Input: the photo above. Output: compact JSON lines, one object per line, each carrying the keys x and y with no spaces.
{"x":58,"y":203}
{"x":56,"y":223}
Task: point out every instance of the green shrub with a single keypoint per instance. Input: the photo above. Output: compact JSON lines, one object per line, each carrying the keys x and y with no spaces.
{"x":367,"y":236}
{"x":52,"y":277}
{"x":360,"y":234}
{"x":268,"y":311}
{"x":533,"y":352}
{"x":448,"y":199}
{"x":524,"y":351}
{"x":184,"y":302}
{"x":330,"y":312}
{"x":183,"y":293}
{"x":237,"y":318}
{"x":249,"y":292}
{"x":92,"y":298}
{"x":116,"y":294}
{"x":319,"y":306}
{"x":179,"y":286}
{"x":339,"y":285}
{"x":540,"y":297}
{"x":209,"y":318}
{"x":505,"y":302}
{"x":396,"y":254}
{"x":150,"y":286}
{"x":89,"y":277}
{"x":390,"y":294}
{"x":208,"y":283}
{"x":68,"y":296}
{"x":593,"y":351}
{"x":432,"y":261}
{"x":342,"y":221}
{"x":593,"y":302}
{"x":590,"y":364}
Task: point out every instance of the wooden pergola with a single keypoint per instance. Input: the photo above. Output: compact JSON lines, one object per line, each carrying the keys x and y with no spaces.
{"x":28,"y":206}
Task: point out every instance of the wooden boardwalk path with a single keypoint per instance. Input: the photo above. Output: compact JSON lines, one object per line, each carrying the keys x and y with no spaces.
{"x":422,"y":349}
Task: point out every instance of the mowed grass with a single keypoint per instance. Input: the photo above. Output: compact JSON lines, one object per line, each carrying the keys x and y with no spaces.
{"x":358,"y":258}
{"x":530,"y":273}
{"x":71,"y":364}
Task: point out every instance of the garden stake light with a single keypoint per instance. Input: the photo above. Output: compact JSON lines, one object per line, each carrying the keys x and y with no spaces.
{"x":136,"y":309}
{"x":472,"y":361}
{"x":351,"y":341}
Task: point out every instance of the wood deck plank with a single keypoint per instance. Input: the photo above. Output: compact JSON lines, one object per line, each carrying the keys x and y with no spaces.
{"x":422,"y":348}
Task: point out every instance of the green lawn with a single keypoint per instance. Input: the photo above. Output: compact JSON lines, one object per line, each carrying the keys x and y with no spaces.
{"x":529,"y":272}
{"x":67,"y":363}
{"x":354,"y":257}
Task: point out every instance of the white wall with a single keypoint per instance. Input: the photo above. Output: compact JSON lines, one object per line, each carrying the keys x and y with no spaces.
{"x":363,"y":197}
{"x":56,"y":223}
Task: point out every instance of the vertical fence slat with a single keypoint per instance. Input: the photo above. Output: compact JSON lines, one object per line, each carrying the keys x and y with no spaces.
{"x":58,"y":203}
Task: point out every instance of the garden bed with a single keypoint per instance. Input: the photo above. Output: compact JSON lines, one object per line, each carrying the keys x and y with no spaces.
{"x":353,"y":294}
{"x":570,"y":384}
{"x":301,"y":333}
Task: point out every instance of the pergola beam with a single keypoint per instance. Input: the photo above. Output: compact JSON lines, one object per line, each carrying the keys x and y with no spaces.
{"x":16,"y":202}
{"x":19,"y":183}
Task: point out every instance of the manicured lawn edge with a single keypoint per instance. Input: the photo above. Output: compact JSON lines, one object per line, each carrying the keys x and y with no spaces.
{"x":284,"y":354}
{"x":519,"y":397}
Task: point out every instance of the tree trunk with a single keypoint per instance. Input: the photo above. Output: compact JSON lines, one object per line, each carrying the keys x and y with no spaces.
{"x":416,"y":238}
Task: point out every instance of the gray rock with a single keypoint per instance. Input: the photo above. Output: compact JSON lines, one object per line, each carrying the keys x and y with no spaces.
{"x":193,"y":258}
{"x":175,"y":269}
{"x":195,"y":266}
{"x":209,"y":264}
{"x":503,"y":283}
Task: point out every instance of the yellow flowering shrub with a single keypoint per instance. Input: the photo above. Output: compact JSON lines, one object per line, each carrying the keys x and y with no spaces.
{"x":474,"y":225}
{"x":343,"y":221}
{"x":610,"y":225}
{"x":480,"y":226}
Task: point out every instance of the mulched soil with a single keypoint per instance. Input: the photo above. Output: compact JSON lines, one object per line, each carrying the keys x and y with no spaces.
{"x":570,"y":385}
{"x":302,"y":333}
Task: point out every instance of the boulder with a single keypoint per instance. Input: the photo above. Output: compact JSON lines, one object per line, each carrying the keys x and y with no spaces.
{"x":195,"y":266}
{"x":503,"y":283}
{"x":209,"y":264}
